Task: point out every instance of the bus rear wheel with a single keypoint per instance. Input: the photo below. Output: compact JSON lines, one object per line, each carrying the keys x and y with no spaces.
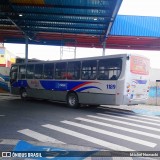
{"x":23,"y":94}
{"x":72,"y":100}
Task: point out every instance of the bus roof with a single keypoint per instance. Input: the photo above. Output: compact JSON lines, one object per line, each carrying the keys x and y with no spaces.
{"x":80,"y":59}
{"x":77,"y":59}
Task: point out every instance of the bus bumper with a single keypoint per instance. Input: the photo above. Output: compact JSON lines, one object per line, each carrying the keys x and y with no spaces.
{"x":127,"y":101}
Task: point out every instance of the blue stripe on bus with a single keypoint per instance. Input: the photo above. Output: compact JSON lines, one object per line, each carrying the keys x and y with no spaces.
{"x":58,"y":85}
{"x":48,"y":85}
{"x":20,"y":83}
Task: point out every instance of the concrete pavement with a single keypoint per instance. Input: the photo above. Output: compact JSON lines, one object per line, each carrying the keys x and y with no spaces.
{"x":143,"y":109}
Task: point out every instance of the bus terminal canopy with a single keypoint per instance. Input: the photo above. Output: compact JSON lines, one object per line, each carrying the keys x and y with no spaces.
{"x":83,"y":23}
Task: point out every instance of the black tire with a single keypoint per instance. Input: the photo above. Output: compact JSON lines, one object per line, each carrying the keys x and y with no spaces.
{"x":23,"y":94}
{"x":72,"y":100}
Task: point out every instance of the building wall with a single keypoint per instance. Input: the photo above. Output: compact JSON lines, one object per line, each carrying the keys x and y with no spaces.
{"x":154,"y":92}
{"x":2,"y":57}
{"x":154,"y":74}
{"x":6,"y":57}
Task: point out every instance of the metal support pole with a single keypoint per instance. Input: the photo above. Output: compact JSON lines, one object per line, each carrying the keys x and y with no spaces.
{"x":75,"y":53}
{"x":61,"y":52}
{"x":75,"y":50}
{"x":156,"y":92}
{"x":26,"y":49}
{"x":104,"y":47}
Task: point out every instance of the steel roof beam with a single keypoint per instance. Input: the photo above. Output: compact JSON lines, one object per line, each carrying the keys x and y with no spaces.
{"x":94,"y":7}
{"x":59,"y":14}
{"x":6,"y":21}
{"x":87,"y":20}
{"x":58,"y":18}
{"x":51,"y":23}
{"x":65,"y":31}
{"x":64,"y":27}
{"x":62,"y":30}
{"x":115,"y":11}
{"x":61,"y":20}
{"x":57,"y":28}
{"x":10,"y":12}
{"x":36,"y":25}
{"x":74,"y":21}
{"x":51,"y":42}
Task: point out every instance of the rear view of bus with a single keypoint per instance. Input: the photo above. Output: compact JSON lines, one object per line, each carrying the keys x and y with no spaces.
{"x":137,"y":80}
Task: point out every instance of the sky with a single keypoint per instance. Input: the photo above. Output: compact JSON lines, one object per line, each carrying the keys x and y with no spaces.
{"x":140,"y":7}
{"x":128,"y":7}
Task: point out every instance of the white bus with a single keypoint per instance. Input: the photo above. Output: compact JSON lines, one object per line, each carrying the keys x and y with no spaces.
{"x":115,"y":80}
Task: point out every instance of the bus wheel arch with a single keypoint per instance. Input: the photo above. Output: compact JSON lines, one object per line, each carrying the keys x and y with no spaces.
{"x":72,"y":99}
{"x":23,"y":93}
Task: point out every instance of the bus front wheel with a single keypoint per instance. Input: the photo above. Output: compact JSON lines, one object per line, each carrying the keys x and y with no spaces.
{"x":23,"y":94}
{"x":72,"y":100}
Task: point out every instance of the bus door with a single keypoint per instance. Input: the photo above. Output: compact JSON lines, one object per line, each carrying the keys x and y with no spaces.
{"x":13,"y":74}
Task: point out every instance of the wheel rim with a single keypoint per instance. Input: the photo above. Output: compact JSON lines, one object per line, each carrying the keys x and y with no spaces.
{"x":72,"y":100}
{"x":24,"y":94}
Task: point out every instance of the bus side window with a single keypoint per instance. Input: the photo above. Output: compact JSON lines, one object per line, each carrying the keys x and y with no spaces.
{"x":22,"y":72}
{"x":89,"y":70}
{"x":102,"y":76}
{"x":114,"y":77}
{"x":30,"y":71}
{"x":73,"y":70}
{"x":60,"y":71}
{"x":85,"y":75}
{"x":13,"y":74}
{"x":38,"y":73}
{"x":48,"y":71}
{"x":109,"y":69}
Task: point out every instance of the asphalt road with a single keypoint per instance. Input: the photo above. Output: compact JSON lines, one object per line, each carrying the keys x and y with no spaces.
{"x":101,"y":127}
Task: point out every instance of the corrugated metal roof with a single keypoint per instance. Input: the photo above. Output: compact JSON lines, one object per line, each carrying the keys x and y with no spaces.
{"x":82,"y":23}
{"x":86,"y":17}
{"x":136,"y":26}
